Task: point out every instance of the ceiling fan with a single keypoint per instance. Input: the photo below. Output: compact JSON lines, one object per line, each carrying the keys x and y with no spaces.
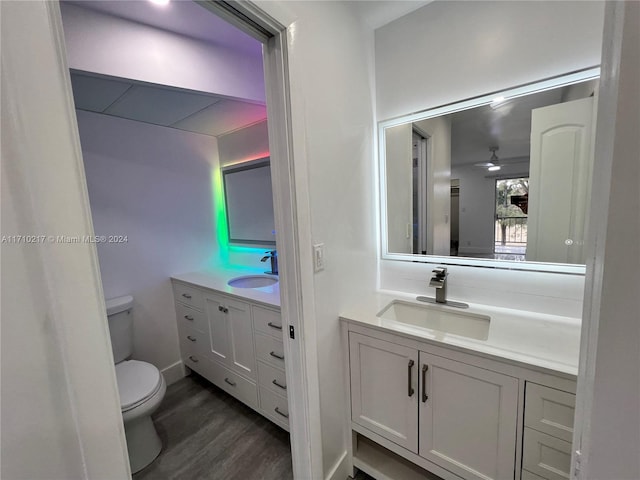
{"x":493,"y":165}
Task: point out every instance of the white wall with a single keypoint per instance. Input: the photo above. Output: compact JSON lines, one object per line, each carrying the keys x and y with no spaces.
{"x":471,"y":48}
{"x":613,"y":424}
{"x":104,"y":44}
{"x":60,"y":408}
{"x":245,"y":144}
{"x":331,"y":78}
{"x":153,"y":184}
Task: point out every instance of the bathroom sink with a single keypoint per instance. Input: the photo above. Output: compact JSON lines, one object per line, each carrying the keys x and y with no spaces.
{"x":438,"y":318}
{"x":252,"y":281}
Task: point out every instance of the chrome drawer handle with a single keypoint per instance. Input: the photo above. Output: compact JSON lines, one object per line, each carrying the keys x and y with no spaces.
{"x":233,"y":384}
{"x":273,"y":325}
{"x":186,"y":295}
{"x":275,"y":355}
{"x":275,"y":382}
{"x":191,"y":338}
{"x":189,"y":317}
{"x":277,"y":410}
{"x":193,"y":359}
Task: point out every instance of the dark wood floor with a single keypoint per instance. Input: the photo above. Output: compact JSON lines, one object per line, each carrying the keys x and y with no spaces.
{"x":207,"y":434}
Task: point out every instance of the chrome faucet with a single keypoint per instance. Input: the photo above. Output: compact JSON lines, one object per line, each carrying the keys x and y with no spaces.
{"x":439,"y":280}
{"x":273,"y":256}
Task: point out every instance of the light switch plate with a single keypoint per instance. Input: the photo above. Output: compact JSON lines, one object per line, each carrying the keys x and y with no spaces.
{"x":318,"y":257}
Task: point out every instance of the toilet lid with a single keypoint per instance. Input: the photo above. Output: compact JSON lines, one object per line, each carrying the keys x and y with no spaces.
{"x":137,"y":381}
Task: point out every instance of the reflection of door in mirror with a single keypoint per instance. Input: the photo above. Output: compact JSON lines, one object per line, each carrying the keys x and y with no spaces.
{"x":561,"y":168}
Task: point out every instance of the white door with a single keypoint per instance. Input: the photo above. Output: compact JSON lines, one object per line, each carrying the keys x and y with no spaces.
{"x":239,"y":327}
{"x":560,"y":181}
{"x":384,"y":382}
{"x":218,"y":328}
{"x":467,"y":418}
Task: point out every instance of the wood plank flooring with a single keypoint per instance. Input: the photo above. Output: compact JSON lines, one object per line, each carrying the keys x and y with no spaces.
{"x":209,"y":435}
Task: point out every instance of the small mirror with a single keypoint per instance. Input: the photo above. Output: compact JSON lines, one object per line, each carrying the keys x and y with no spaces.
{"x":505,"y":177}
{"x":249,"y":203}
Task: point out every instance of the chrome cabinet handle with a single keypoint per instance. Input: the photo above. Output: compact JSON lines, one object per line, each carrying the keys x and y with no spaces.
{"x":275,"y":355}
{"x":189,"y":317}
{"x":186,"y":295}
{"x":223,"y":309}
{"x":425,"y":397}
{"x":233,"y":384}
{"x":410,"y":390}
{"x":193,"y":359}
{"x":277,"y":410}
{"x":275,"y":382}
{"x":273,"y":325}
{"x":189,"y":337}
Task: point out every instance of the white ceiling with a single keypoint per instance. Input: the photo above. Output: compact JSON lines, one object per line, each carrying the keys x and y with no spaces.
{"x":377,"y":13}
{"x":159,"y":105}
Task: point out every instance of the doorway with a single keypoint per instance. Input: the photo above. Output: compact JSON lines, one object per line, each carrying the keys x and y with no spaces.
{"x":510,"y":226}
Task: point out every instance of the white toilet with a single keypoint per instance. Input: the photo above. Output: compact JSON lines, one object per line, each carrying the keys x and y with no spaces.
{"x":140,"y":384}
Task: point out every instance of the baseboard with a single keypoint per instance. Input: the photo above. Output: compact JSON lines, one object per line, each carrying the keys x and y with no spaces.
{"x":340,"y":470}
{"x":174,"y":372}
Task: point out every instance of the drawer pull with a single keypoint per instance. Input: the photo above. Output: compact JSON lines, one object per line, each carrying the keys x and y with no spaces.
{"x":425,"y":397}
{"x":189,"y":317}
{"x":273,"y":325}
{"x":409,"y":387}
{"x":275,"y":382}
{"x":186,"y":295}
{"x":277,"y":410}
{"x":223,"y":309}
{"x":233,"y":384}
{"x":275,"y":355}
{"x":189,"y":337}
{"x":193,"y":359}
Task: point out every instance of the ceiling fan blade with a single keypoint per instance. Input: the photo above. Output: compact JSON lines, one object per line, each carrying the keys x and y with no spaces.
{"x":484,"y":164}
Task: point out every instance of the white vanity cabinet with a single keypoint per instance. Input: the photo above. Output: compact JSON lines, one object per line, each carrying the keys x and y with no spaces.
{"x":455,"y":415}
{"x":452,"y":413}
{"x":236,"y":344}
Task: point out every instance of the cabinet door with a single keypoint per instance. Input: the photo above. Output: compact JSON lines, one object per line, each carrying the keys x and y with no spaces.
{"x":467,"y":418}
{"x":218,"y":328}
{"x":384,"y":377}
{"x":238,"y":317}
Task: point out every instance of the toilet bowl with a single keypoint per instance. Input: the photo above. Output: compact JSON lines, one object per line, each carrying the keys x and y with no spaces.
{"x":141,"y":387}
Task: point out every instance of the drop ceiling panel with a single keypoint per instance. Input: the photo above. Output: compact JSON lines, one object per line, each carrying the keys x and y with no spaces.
{"x":95,"y":94}
{"x":158,"y":105}
{"x":223,"y":117}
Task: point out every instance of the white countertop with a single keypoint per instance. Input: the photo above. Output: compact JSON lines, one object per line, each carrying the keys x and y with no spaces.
{"x":217,"y":278}
{"x":548,"y":341}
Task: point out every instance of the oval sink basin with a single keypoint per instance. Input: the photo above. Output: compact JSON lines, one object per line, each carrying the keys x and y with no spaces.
{"x":252,"y":281}
{"x":465,"y":324}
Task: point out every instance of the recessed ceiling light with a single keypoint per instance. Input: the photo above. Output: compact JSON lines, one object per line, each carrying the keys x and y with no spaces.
{"x":160,"y":2}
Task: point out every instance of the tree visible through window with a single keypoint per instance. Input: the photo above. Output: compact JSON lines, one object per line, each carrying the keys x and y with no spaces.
{"x":512,"y":196}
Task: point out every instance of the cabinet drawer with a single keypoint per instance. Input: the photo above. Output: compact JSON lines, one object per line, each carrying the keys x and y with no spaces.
{"x":546,"y":456}
{"x":196,"y":362}
{"x":192,"y":342}
{"x":267,"y":321}
{"x":270,"y":350}
{"x":275,"y":407}
{"x":550,"y":411}
{"x":188,"y":295}
{"x":272,"y":378}
{"x":234,"y":384}
{"x":189,"y":317}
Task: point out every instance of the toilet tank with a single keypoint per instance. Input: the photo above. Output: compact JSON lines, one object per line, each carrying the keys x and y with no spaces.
{"x":120,"y":326}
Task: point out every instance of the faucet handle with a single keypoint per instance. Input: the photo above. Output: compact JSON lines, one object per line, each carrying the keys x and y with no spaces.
{"x":440,"y":272}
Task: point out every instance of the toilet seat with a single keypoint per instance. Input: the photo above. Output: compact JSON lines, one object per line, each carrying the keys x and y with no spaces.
{"x":137,"y":382}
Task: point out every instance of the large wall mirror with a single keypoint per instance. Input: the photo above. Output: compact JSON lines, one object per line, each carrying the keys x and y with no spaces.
{"x":500,"y":180}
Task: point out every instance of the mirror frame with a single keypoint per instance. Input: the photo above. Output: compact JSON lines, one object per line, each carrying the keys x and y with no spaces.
{"x":535,"y":87}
